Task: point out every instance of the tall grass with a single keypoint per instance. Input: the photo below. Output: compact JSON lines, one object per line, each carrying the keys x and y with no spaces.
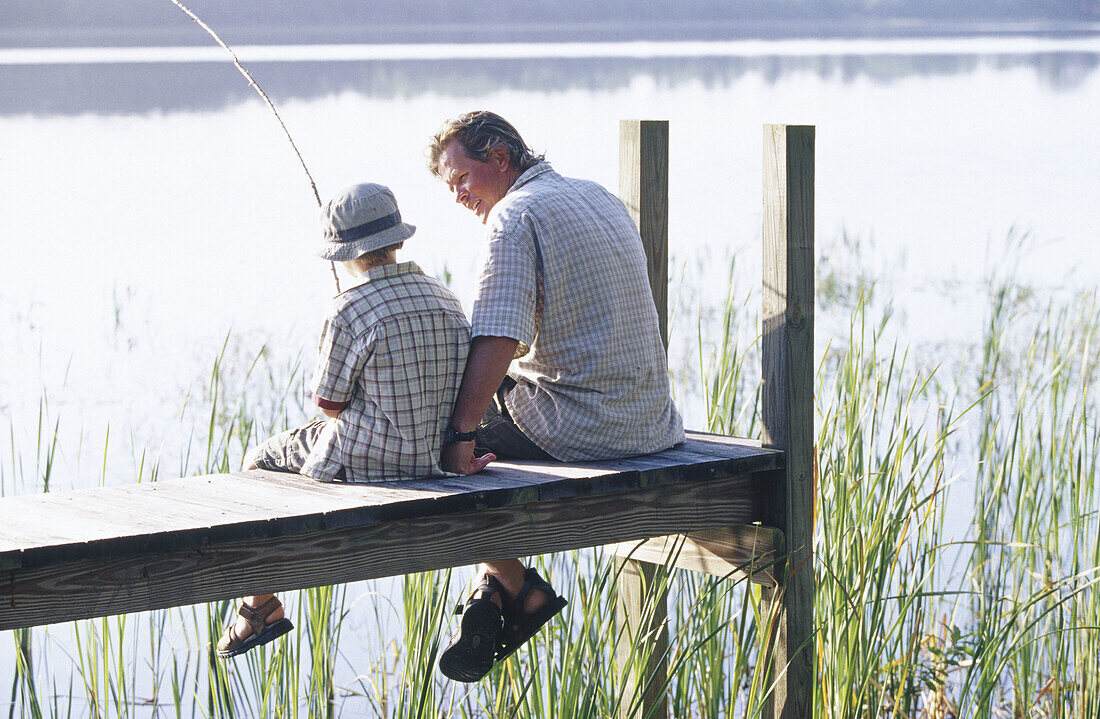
{"x":918,"y":614}
{"x":881,"y":452}
{"x":1037,"y":530}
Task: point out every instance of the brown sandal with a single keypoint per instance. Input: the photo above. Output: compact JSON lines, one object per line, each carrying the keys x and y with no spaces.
{"x":230,"y":645}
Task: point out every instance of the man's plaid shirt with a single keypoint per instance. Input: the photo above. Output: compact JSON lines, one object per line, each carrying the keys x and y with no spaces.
{"x":392,"y":354}
{"x":565,"y":274}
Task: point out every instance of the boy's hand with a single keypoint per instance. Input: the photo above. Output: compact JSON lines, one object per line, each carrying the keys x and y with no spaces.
{"x":459,"y":458}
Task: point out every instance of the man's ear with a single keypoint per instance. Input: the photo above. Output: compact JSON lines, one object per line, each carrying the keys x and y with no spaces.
{"x":499,"y":158}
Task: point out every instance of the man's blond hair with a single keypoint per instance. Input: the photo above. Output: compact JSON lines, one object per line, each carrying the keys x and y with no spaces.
{"x":478,"y":133}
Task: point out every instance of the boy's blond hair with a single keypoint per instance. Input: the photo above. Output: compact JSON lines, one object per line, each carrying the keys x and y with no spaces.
{"x":374,"y":258}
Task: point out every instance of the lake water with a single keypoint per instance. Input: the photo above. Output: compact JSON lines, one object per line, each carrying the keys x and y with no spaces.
{"x":150,"y":205}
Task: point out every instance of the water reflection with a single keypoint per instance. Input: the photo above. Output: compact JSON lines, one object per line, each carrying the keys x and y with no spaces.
{"x":138,"y":88}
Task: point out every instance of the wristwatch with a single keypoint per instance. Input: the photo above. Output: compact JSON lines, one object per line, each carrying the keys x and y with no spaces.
{"x":452,"y":435}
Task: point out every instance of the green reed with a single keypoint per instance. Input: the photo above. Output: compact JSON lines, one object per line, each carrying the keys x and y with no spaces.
{"x":880,"y":461}
{"x":1036,"y":548}
{"x":916,"y":617}
{"x":425,"y":605}
{"x":23,"y":686}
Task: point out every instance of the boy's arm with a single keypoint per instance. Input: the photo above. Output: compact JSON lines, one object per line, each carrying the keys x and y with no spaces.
{"x":338,"y":357}
{"x":328,"y":407}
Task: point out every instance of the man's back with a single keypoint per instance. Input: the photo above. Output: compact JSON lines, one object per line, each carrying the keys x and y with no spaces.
{"x":594,"y":382}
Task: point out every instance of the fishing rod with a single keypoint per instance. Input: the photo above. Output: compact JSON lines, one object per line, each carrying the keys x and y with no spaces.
{"x":259,"y":90}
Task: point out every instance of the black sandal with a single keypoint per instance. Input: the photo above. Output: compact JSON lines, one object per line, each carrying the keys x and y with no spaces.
{"x":518,"y":628}
{"x":470,"y":655}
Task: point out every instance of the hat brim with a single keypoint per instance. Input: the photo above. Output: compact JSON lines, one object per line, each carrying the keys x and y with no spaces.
{"x":344,"y":251}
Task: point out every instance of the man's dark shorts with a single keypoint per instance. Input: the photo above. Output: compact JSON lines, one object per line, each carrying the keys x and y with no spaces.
{"x":497,"y":433}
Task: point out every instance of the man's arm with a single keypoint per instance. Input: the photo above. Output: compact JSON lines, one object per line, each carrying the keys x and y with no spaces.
{"x":486,"y":366}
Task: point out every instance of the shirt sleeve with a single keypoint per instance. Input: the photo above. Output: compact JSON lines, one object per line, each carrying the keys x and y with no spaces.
{"x":339,"y":356}
{"x":505,"y":304}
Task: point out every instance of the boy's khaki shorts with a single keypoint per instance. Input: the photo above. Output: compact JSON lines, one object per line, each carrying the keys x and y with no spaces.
{"x":287,"y":451}
{"x":496,"y":433}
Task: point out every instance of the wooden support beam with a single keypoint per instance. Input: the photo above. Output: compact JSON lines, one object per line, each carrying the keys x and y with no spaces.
{"x":100,"y":586}
{"x":745,"y":552}
{"x":112,"y":550}
{"x":643,"y":187}
{"x":787,"y":351}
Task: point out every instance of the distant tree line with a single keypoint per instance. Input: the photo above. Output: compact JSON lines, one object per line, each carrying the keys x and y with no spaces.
{"x":422,"y":20}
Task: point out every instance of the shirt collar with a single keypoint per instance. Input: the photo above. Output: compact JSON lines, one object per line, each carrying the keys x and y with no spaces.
{"x":390,"y":270}
{"x":531,"y":173}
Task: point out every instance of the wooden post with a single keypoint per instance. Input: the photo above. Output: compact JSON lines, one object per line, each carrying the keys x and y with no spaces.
{"x":643,"y":186}
{"x":788,"y":372}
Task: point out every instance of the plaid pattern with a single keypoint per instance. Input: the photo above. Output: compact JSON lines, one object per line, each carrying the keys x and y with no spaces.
{"x":565,"y":274}
{"x":392,"y":354}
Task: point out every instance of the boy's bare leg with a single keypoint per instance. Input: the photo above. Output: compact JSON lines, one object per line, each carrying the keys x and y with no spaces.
{"x":240,"y":626}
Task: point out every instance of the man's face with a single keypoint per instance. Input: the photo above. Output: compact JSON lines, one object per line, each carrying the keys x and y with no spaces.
{"x":477,"y":186}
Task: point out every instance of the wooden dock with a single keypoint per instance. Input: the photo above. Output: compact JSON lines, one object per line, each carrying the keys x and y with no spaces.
{"x":713,"y":504}
{"x":97,"y":552}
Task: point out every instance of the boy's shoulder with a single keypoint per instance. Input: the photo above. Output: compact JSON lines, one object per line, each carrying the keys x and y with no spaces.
{"x":390,"y":290}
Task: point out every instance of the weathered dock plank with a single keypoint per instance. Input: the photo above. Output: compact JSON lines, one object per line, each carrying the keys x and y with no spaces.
{"x":110,"y":550}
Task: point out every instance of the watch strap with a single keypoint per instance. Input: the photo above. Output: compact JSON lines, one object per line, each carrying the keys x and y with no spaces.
{"x":452,"y":435}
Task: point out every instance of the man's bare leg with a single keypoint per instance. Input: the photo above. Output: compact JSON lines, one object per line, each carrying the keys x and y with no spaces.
{"x":510,"y":575}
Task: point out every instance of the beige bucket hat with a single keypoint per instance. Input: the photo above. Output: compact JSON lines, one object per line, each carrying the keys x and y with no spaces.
{"x":360,"y":219}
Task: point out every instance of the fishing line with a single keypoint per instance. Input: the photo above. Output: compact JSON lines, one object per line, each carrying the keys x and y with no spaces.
{"x":255,"y":86}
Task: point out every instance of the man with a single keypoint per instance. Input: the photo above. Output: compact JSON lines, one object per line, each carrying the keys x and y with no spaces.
{"x":566,"y":360}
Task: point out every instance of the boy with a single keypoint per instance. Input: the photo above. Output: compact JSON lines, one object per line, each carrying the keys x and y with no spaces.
{"x":391,"y":357}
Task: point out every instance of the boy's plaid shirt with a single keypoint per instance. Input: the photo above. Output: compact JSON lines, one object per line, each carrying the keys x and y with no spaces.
{"x":391,"y":357}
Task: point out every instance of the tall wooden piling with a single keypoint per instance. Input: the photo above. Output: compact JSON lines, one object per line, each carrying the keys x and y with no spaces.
{"x":643,"y":187}
{"x":787,"y":412}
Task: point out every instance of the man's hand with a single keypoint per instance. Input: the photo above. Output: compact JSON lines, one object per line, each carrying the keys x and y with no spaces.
{"x":459,"y":458}
{"x":486,"y":366}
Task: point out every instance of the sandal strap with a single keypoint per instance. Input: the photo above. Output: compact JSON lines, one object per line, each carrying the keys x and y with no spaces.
{"x":531,"y":580}
{"x":257,"y":616}
{"x":489,"y":584}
